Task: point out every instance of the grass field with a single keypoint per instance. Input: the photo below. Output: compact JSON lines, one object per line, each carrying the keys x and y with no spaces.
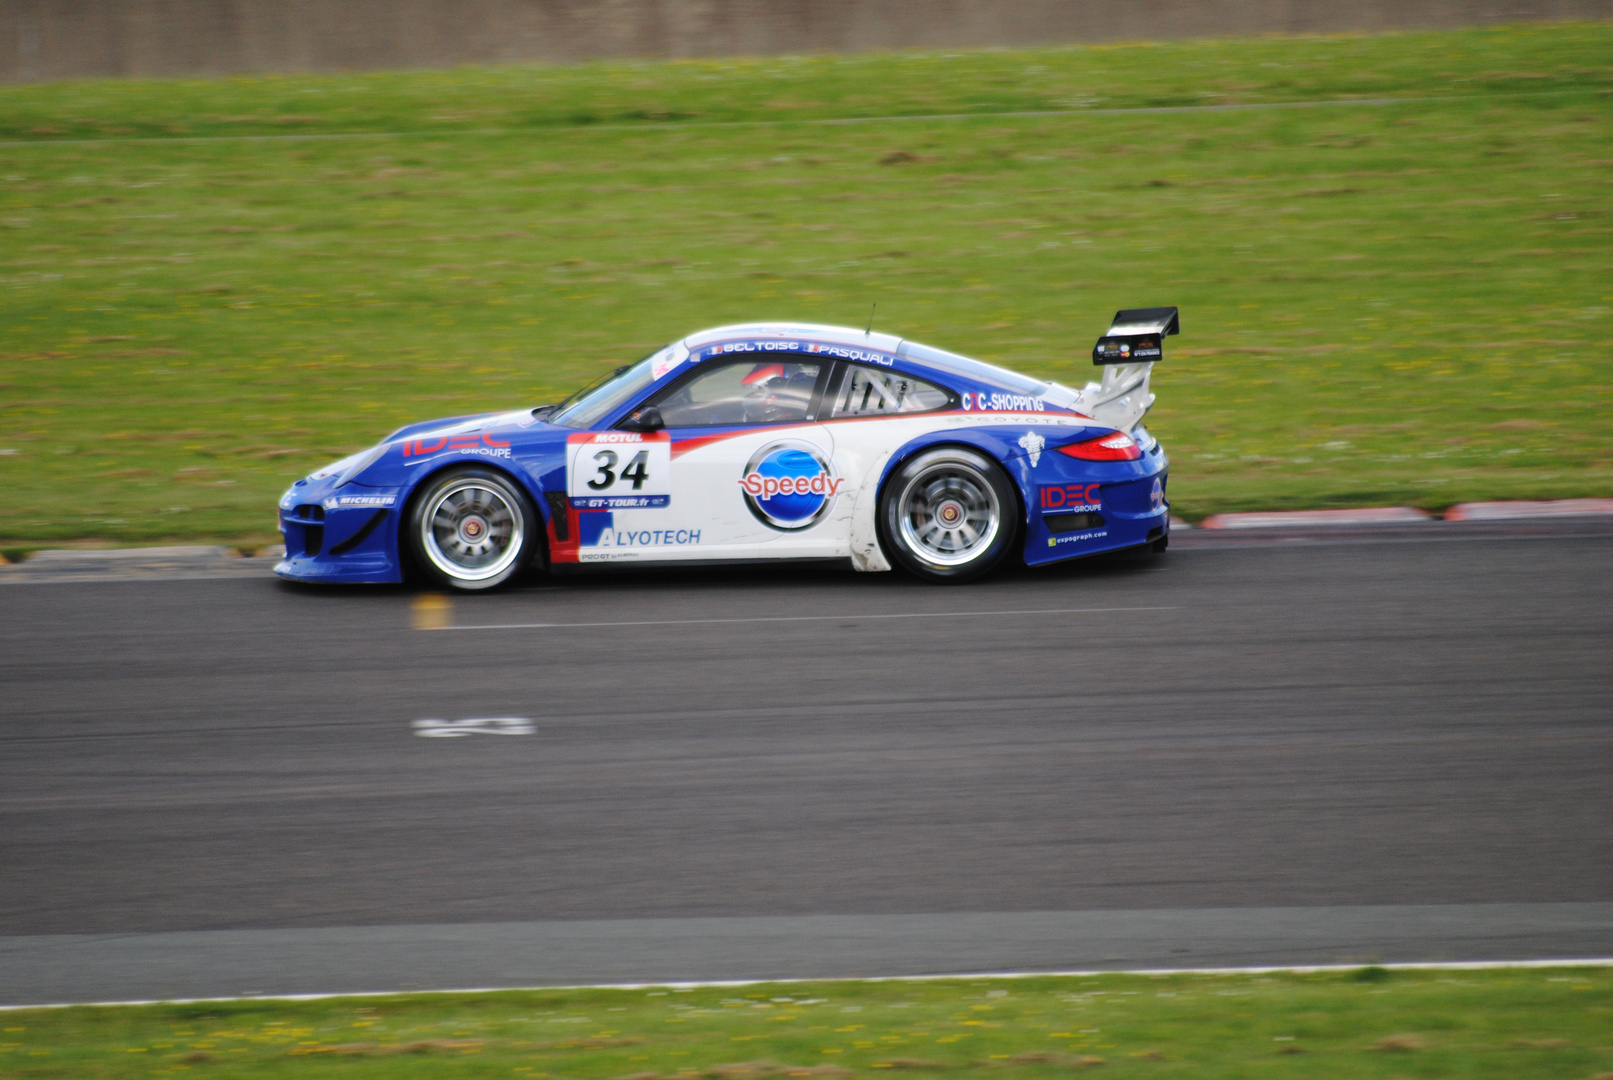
{"x":1402,"y":295}
{"x":1541,"y":1023}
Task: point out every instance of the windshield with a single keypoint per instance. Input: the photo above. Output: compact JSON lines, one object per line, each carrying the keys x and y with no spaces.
{"x":589,"y":405}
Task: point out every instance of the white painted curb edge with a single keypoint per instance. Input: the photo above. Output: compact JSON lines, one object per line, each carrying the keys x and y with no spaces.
{"x":1520,"y":510}
{"x":1297,"y":969}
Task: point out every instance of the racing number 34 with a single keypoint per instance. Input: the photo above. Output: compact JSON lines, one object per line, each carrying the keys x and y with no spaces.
{"x":606,"y":460}
{"x":619,"y":470}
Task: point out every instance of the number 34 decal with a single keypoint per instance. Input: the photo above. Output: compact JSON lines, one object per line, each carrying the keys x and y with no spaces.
{"x":619,"y":469}
{"x":636,"y":471}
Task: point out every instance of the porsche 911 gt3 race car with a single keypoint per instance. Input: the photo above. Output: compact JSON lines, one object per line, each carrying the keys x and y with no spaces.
{"x":756,"y":442}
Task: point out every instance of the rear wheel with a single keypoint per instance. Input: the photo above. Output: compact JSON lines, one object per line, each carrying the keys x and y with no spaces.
{"x":949,"y":515}
{"x":472,"y":529}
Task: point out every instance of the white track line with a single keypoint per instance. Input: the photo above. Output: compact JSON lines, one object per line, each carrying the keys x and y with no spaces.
{"x":1310,"y":969}
{"x":1139,"y":110}
{"x":796,"y":618}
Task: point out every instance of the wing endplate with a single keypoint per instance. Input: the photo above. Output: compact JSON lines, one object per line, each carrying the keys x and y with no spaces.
{"x":1137,"y":336}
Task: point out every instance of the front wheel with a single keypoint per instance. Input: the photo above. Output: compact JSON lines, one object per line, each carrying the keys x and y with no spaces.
{"x":472,"y":529}
{"x":949,"y":515}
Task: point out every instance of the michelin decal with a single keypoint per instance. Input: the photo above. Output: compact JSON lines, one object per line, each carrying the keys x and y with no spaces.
{"x":378,"y":501}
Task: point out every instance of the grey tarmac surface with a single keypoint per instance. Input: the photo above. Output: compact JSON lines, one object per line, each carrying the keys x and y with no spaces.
{"x":1387,"y":745}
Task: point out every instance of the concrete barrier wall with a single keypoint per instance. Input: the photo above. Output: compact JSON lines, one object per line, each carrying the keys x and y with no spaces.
{"x":63,"y":39}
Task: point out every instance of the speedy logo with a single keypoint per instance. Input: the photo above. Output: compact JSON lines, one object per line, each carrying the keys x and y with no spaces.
{"x":788,"y":486}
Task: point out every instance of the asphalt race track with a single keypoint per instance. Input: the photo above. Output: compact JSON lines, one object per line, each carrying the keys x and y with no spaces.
{"x":1390,"y":746}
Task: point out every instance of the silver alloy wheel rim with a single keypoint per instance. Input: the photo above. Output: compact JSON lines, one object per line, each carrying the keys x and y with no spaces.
{"x":949,"y":514}
{"x":472,"y":530}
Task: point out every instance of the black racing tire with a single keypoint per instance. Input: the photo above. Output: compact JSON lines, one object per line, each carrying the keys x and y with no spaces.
{"x":949,"y":515}
{"x":471,"y":529}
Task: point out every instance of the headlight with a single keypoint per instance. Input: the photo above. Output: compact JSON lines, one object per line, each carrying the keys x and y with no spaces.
{"x":349,"y":467}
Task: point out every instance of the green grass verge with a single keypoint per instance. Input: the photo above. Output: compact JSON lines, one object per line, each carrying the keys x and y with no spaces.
{"x":1542,"y":1024}
{"x":1407,"y":302}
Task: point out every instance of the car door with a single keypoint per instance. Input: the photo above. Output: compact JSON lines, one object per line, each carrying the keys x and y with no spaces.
{"x":751,"y":472}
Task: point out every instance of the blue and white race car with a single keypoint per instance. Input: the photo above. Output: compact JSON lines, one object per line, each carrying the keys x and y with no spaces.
{"x":759,"y":441}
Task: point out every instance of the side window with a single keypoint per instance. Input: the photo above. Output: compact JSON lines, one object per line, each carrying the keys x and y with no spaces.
{"x":748,"y":392}
{"x":873,"y":392}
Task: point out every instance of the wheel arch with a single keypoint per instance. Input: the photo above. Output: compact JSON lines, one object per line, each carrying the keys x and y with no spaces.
{"x":1016,"y":514}
{"x":419,"y":484}
{"x":963,"y":440}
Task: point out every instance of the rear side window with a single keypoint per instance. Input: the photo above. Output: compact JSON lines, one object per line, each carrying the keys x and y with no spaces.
{"x":873,"y":392}
{"x":990,"y":374}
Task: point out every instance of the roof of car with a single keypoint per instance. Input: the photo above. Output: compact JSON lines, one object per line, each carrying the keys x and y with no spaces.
{"x":903,"y":349}
{"x":833,"y":335}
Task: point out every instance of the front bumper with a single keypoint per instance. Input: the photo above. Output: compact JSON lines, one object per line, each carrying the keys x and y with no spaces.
{"x":350,"y":537}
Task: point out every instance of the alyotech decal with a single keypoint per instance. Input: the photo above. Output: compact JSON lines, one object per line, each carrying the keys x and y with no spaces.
{"x":789,"y":486}
{"x":473,"y":443}
{"x":647,"y":537}
{"x":600,"y":539}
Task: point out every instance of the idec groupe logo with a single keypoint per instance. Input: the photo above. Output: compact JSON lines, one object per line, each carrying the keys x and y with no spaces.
{"x":1076,"y":496}
{"x":479,"y":443}
{"x":789,"y":486}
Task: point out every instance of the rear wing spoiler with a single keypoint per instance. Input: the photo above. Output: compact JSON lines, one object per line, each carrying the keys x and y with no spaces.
{"x":1137,"y":336}
{"x":1127,"y":353}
